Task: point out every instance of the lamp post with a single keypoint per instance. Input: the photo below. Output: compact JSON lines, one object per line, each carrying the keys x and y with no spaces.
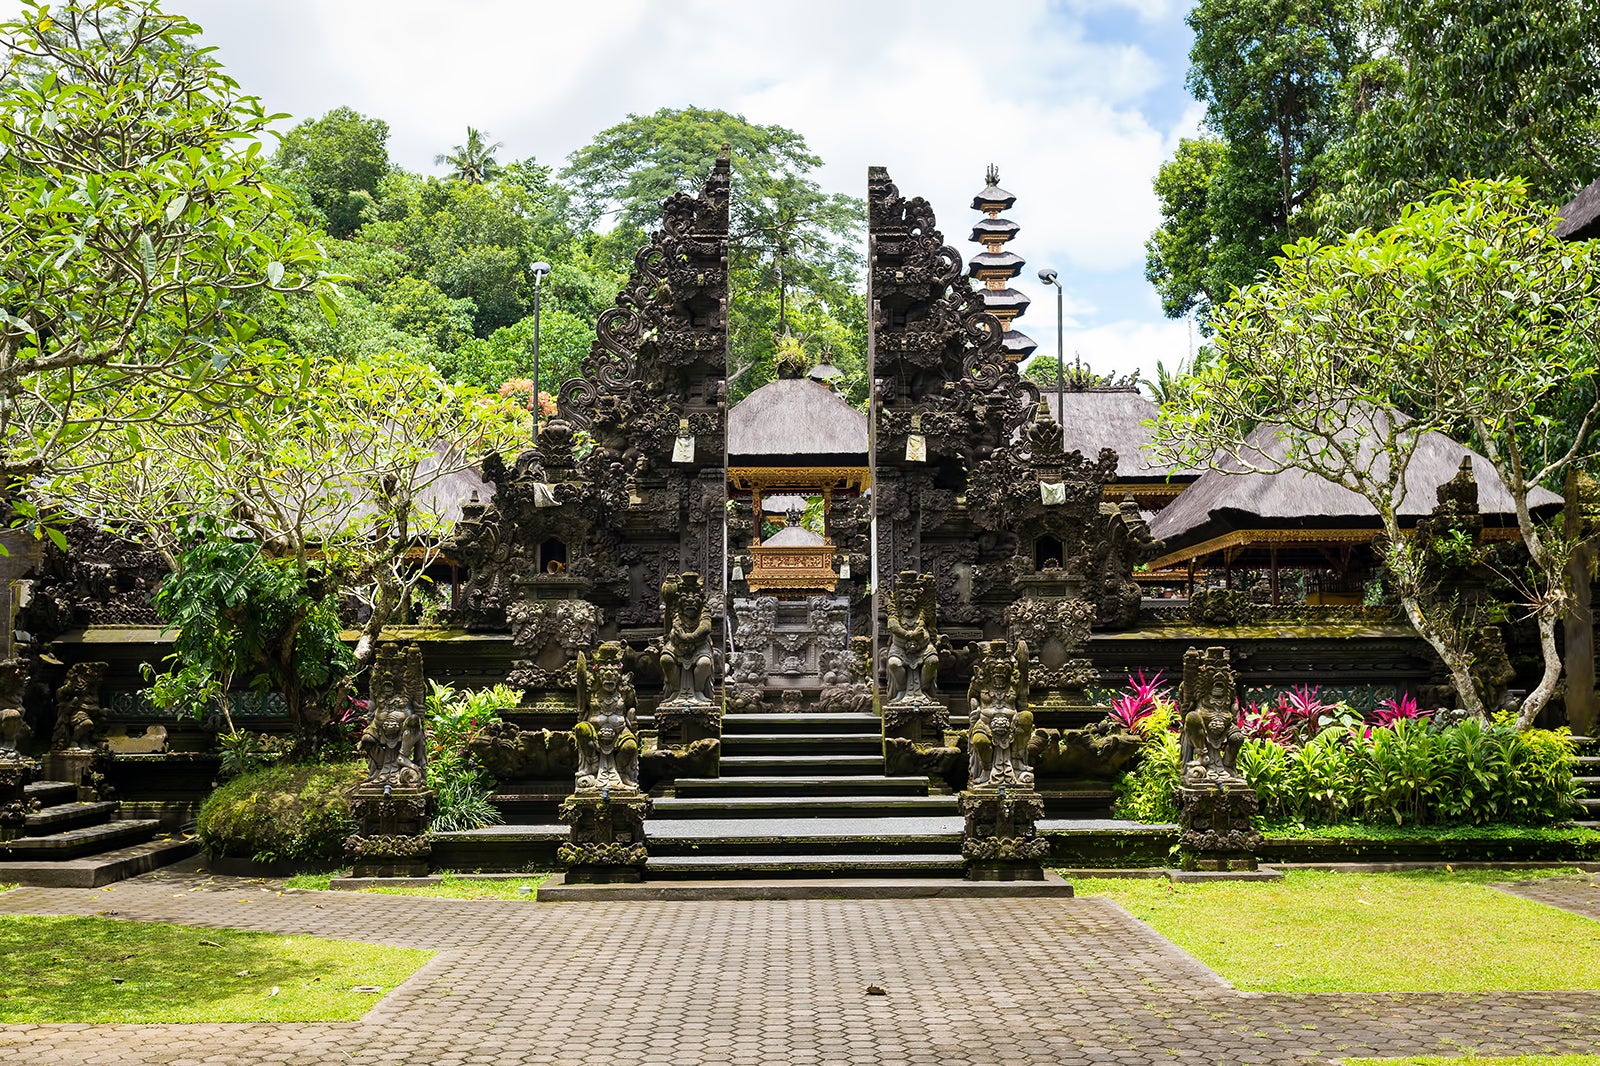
{"x":1049,"y":278}
{"x":539,"y":270}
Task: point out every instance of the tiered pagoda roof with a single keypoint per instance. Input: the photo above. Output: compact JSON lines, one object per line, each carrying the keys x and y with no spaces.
{"x":994,"y":267}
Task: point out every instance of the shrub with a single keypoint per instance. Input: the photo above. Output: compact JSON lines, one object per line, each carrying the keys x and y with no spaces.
{"x":1144,"y":794}
{"x":287,"y":811}
{"x":243,"y":752}
{"x":460,"y":782}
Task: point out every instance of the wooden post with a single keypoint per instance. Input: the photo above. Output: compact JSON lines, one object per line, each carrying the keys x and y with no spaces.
{"x":1273,"y":551}
{"x":1578,"y":625}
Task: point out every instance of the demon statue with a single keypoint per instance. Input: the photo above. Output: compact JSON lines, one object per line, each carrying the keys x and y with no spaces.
{"x":1000,"y":807}
{"x":607,"y":733}
{"x":1215,"y":804}
{"x":79,"y":716}
{"x":393,"y":806}
{"x":688,"y":663}
{"x":912,"y":662}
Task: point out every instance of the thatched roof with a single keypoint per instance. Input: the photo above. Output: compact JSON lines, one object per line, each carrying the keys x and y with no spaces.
{"x":1228,"y":499}
{"x":1114,"y":418}
{"x":1580,"y":219}
{"x":796,"y":419}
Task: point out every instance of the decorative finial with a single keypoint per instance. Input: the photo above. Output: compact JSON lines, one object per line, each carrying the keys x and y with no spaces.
{"x":992,"y":175}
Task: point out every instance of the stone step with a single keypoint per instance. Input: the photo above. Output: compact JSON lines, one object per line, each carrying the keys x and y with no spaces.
{"x":822,"y":785}
{"x":804,"y":722}
{"x":761,"y":807}
{"x":805,"y":836}
{"x":104,"y":868}
{"x":87,"y":840}
{"x":1592,"y":803}
{"x":807,"y":743}
{"x":784,"y":765}
{"x":836,"y":865}
{"x":66,"y":816}
{"x":51,"y":793}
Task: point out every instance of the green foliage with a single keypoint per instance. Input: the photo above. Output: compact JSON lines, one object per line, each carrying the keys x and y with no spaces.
{"x":1145,"y":794}
{"x":139,"y":224}
{"x":1468,"y":88}
{"x":291,"y":811}
{"x":461,"y":784}
{"x":473,"y":162}
{"x":244,"y":619}
{"x":81,"y":971}
{"x":336,"y":162}
{"x":417,"y":307}
{"x":507,"y":354}
{"x":244,"y":752}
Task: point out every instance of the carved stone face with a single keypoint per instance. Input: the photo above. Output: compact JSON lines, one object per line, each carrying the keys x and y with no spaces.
{"x":609,"y":678}
{"x":691,"y":607}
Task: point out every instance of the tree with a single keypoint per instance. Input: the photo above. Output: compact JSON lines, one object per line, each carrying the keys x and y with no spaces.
{"x":489,"y":362}
{"x":1269,"y":72}
{"x":473,"y":162}
{"x":1469,"y":88}
{"x":786,"y":236}
{"x":1467,"y":317}
{"x":326,"y":472}
{"x":136,"y":225}
{"x":337,"y":162}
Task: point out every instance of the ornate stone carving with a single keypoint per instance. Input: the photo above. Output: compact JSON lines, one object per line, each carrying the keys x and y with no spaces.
{"x":394,"y":742}
{"x":79,"y":717}
{"x":511,"y":753}
{"x":912,"y":661}
{"x":999,"y":837}
{"x":607,"y":838}
{"x":392,"y":807}
{"x":1215,"y":827}
{"x":13,"y":726}
{"x":102,"y":579}
{"x":1056,"y":631}
{"x":1211,"y":735}
{"x":607,"y":733}
{"x":688,"y":660}
{"x":549,"y":636}
{"x":999,"y":722}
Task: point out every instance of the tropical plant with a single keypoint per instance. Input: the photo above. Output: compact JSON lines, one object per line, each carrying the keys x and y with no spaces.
{"x":1396,"y":708}
{"x":1133,"y":707}
{"x":474,"y":161}
{"x":461,"y":785}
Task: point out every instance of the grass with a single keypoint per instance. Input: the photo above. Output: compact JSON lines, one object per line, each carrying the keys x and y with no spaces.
{"x":1519,"y":1060}
{"x":73,"y":970}
{"x":1369,"y":831}
{"x":6,"y":886}
{"x":1424,"y":931}
{"x":452,"y":886}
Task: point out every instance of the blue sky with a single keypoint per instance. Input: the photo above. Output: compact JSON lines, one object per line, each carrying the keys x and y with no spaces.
{"x":1077,"y":101}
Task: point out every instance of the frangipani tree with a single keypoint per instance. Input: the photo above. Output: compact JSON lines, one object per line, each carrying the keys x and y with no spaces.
{"x":330,"y":467}
{"x":136,"y":227}
{"x":1467,"y":317}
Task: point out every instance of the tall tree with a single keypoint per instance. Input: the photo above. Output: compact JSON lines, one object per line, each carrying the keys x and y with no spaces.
{"x":472,"y":162}
{"x":1467,"y":317}
{"x":337,"y":162}
{"x":136,"y":225}
{"x":788,"y":239}
{"x":1470,"y":88}
{"x":1269,"y":72}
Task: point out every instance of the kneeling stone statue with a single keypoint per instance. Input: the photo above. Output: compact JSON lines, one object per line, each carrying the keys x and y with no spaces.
{"x":606,"y":809}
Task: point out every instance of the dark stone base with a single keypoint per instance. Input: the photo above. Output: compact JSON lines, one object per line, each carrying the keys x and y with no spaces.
{"x":407,"y":868}
{"x":79,"y":766}
{"x":15,"y":776}
{"x":978,"y":870}
{"x":1216,"y":863}
{"x":597,"y":874}
{"x":607,"y":842}
{"x":1215,"y":828}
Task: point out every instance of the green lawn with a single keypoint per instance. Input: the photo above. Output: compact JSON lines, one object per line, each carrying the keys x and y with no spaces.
{"x":1520,"y":1060}
{"x":71,"y":970}
{"x":4,"y":887}
{"x":453,"y":886}
{"x":1426,"y":931}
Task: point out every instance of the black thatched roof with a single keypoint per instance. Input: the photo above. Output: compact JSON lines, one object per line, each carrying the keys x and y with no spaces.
{"x":1113,"y":418}
{"x":1228,"y":499}
{"x":1580,"y":219}
{"x":793,"y":418}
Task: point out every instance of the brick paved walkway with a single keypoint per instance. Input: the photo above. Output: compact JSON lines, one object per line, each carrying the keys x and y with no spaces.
{"x":1580,"y":895}
{"x":779,"y":984}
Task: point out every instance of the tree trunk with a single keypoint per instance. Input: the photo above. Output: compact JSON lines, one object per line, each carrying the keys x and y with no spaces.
{"x":1540,"y":696}
{"x":1456,"y":660}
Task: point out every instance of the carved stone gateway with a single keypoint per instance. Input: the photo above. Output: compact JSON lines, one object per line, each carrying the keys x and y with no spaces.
{"x":76,"y":751}
{"x":392,"y":807}
{"x":1000,"y":808}
{"x":1215,"y":804}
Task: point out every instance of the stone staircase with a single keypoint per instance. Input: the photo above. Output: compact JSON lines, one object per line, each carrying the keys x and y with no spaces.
{"x":1587,"y":773}
{"x":803,"y":794}
{"x":72,"y":843}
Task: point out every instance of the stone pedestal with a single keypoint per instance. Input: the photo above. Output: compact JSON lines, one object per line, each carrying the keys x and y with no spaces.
{"x":999,"y":840}
{"x":83,"y":767}
{"x":607,"y":843}
{"x":15,"y":776}
{"x":680,"y":723}
{"x":391,"y":835}
{"x":1216,"y":831}
{"x":918,"y":718}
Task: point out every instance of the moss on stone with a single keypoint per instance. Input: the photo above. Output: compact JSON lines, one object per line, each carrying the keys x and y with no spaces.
{"x":293,"y":811}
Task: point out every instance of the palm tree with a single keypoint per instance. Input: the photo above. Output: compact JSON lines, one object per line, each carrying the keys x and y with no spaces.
{"x":473,"y":162}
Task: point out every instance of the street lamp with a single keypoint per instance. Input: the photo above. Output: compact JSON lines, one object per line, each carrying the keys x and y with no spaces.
{"x":539,"y":270}
{"x":1049,"y":278}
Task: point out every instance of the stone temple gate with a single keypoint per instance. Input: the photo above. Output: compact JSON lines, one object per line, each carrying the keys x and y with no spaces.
{"x":809,"y":598}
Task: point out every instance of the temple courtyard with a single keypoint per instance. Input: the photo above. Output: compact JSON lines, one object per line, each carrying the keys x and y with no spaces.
{"x":1059,"y":981}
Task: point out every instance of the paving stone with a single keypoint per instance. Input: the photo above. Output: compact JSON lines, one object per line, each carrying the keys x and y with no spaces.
{"x":984,"y":981}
